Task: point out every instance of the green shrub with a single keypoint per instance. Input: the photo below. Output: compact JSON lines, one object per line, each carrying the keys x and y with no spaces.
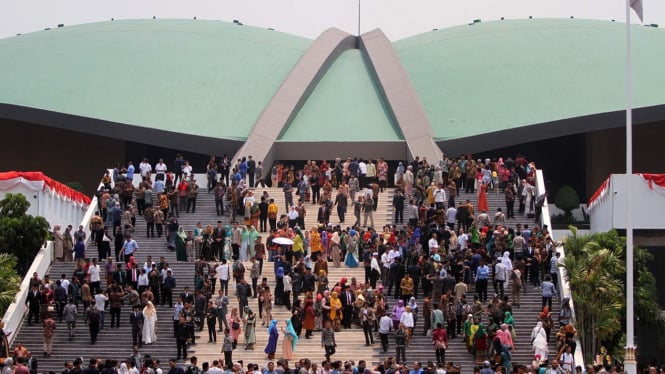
{"x":567,"y":200}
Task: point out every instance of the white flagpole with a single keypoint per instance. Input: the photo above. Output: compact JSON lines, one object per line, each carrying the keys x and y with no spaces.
{"x":630,"y":362}
{"x":359,"y":17}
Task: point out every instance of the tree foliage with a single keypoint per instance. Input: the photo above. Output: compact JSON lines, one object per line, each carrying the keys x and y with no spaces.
{"x":567,"y":200}
{"x":10,"y":281}
{"x":21,"y":234}
{"x":595,"y":269}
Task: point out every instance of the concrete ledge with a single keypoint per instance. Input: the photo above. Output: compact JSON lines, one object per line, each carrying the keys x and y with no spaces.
{"x":398,"y":91}
{"x":293,"y":93}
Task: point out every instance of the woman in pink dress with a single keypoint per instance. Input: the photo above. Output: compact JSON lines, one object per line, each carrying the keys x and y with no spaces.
{"x":290,"y":341}
{"x":482,"y":198}
{"x":234,"y":324}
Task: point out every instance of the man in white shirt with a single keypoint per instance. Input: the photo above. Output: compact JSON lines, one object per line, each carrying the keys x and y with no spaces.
{"x":223,"y":272}
{"x":440,"y":197}
{"x":385,"y":325}
{"x":433,"y":244}
{"x":375,"y":270}
{"x":187,"y":169}
{"x":362,"y":170}
{"x":145,"y":167}
{"x":160,"y":170}
{"x":94,"y":272}
{"x":463,"y":240}
{"x":451,"y":217}
{"x":147,"y":265}
{"x":100,"y":303}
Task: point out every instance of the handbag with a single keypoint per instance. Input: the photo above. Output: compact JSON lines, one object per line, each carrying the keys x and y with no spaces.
{"x":235,"y":325}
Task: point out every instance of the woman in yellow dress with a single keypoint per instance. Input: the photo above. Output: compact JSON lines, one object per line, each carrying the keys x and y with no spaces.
{"x":335,"y":311}
{"x":315,"y":243}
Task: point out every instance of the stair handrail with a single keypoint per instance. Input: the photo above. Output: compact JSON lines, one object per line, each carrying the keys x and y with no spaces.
{"x":15,"y":313}
{"x":563,"y":284}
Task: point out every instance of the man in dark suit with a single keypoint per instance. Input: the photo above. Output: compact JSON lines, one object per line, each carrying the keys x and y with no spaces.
{"x":218,"y":236}
{"x":132,"y":276}
{"x":119,"y":277}
{"x":187,"y":296}
{"x":33,"y":303}
{"x":136,"y":319}
{"x":348,"y":298}
{"x":243,"y":290}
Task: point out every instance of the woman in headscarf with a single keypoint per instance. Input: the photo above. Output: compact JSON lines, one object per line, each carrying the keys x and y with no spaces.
{"x":505,"y":338}
{"x":298,"y":244}
{"x":508,"y":320}
{"x":308,"y":322}
{"x":279,"y":286}
{"x":315,"y":243}
{"x":468,"y":334}
{"x":546,"y":318}
{"x":123,"y":368}
{"x":245,"y":243}
{"x":480,"y":339}
{"x":59,"y":243}
{"x":408,"y":321}
{"x":539,"y":341}
{"x":335,"y":311}
{"x":249,"y":322}
{"x":474,"y":327}
{"x":398,"y":310}
{"x":289,"y":342}
{"x":505,"y":260}
{"x":414,"y":309}
{"x":334,"y":249}
{"x":273,"y":335}
{"x":252,"y":236}
{"x":234,"y":323}
{"x":149,"y":320}
{"x":324,"y":244}
{"x":180,"y":247}
{"x":352,"y":250}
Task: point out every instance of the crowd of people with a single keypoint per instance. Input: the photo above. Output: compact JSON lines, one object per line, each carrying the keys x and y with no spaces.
{"x":437,"y":266}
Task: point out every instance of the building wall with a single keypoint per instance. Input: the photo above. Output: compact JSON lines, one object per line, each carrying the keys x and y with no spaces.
{"x":66,"y":156}
{"x":606,"y":152}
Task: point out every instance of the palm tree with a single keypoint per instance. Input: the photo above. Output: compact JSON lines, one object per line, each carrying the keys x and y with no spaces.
{"x":9,"y":281}
{"x":595,"y":270}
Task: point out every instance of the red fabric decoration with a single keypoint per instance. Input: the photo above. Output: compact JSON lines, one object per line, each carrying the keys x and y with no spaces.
{"x":599,"y":191}
{"x":658,"y":179}
{"x":52,"y":184}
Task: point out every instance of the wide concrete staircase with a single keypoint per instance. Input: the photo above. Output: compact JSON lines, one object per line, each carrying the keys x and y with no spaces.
{"x":382,"y":215}
{"x":525,"y":319}
{"x":350,"y":343}
{"x":116,"y":343}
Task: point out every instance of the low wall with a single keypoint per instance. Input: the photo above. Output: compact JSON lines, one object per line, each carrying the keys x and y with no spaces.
{"x":13,"y":317}
{"x":563,"y":285}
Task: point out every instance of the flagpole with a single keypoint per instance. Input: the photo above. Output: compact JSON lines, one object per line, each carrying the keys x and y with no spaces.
{"x":358,"y":17}
{"x":630,"y":362}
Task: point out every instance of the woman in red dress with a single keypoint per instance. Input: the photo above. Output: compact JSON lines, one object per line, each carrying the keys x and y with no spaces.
{"x":482,"y":198}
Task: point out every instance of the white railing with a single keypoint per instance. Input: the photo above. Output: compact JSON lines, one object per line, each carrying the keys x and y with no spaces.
{"x":14,"y":315}
{"x":563,"y":285}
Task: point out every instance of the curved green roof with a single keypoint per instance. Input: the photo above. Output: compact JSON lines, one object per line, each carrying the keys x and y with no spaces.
{"x":208,"y":78}
{"x":347,"y":103}
{"x":492,"y":76}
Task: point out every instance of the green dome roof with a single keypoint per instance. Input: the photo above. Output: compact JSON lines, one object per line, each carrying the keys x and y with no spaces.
{"x":494,"y":76}
{"x":207,"y":78}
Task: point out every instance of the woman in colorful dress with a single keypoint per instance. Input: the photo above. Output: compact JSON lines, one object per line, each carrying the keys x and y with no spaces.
{"x":273,"y":336}
{"x":289,"y":342}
